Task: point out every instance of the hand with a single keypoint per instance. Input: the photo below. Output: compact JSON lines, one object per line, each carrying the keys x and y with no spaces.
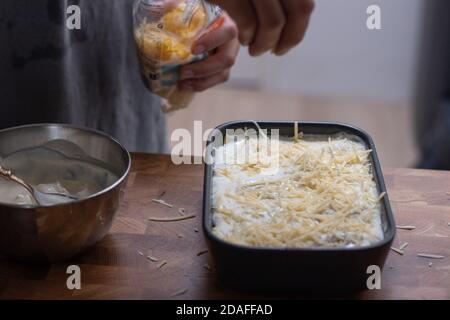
{"x":269,"y":25}
{"x":222,"y":45}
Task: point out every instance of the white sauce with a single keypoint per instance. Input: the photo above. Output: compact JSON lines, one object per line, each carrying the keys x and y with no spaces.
{"x":49,"y":171}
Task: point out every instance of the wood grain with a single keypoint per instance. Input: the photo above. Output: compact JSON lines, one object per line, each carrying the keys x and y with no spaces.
{"x":114,"y":269}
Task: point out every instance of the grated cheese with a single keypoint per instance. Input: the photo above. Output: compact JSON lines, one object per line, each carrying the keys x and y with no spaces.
{"x":179,"y":293}
{"x":399,"y":251}
{"x":207,"y":267}
{"x":410,"y":228}
{"x":403,"y":246}
{"x":170,"y":219}
{"x":322,"y":193}
{"x":202,"y":253}
{"x":160,"y":201}
{"x":430,"y":256}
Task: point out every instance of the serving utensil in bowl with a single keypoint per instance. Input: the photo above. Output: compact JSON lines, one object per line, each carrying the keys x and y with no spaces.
{"x":38,"y":197}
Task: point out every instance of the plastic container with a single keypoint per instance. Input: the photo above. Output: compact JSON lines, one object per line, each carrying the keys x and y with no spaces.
{"x":165,"y":31}
{"x":305,"y":270}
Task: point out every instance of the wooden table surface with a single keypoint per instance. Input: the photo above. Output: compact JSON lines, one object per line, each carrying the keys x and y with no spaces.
{"x":114,"y":268}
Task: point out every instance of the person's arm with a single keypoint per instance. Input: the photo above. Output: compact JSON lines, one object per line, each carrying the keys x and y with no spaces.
{"x":269,"y":25}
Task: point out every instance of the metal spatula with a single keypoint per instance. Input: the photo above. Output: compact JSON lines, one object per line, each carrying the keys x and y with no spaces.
{"x":38,"y":197}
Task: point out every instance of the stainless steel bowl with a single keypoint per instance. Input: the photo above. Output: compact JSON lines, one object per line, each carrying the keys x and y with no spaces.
{"x":57,"y":233}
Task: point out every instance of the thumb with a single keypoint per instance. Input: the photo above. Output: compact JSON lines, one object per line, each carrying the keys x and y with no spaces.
{"x":220,"y":32}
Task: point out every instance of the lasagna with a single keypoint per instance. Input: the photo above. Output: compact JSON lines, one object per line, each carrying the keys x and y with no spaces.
{"x":317,"y":191}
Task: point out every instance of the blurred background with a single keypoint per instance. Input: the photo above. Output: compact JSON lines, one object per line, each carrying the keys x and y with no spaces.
{"x":393,"y":83}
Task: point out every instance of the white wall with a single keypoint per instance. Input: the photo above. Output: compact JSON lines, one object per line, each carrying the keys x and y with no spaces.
{"x":341,"y":57}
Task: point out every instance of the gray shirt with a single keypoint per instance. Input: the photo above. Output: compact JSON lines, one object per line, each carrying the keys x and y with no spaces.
{"x":88,"y":77}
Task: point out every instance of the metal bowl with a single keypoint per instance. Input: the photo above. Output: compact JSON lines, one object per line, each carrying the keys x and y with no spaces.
{"x":59,"y":232}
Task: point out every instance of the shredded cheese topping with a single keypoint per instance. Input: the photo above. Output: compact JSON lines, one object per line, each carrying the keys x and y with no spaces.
{"x":319,"y":193}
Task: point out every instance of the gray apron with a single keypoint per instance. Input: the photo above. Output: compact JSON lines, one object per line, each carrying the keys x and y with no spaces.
{"x":88,"y":77}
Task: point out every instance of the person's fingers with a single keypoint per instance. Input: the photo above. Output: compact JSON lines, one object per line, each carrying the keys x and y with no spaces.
{"x":222,"y":31}
{"x":202,"y":84}
{"x":271,"y":21}
{"x":242,"y":12}
{"x":224,"y":58}
{"x":260,"y":22}
{"x":298,"y":13}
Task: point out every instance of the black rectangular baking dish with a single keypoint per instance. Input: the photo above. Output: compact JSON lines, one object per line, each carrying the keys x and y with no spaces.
{"x":310,"y":270}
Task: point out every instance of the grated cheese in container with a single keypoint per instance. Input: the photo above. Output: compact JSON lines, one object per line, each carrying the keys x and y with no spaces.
{"x":316,"y":192}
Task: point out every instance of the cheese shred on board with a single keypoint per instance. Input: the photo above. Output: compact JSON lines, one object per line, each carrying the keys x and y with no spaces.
{"x":314,"y":193}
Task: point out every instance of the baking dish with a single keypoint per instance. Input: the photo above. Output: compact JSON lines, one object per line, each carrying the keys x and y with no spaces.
{"x":299,"y":270}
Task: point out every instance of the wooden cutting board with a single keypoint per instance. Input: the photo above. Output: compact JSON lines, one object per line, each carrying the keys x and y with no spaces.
{"x":118,"y":267}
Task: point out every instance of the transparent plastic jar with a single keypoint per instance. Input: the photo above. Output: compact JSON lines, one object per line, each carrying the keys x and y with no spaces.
{"x":165,"y":31}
